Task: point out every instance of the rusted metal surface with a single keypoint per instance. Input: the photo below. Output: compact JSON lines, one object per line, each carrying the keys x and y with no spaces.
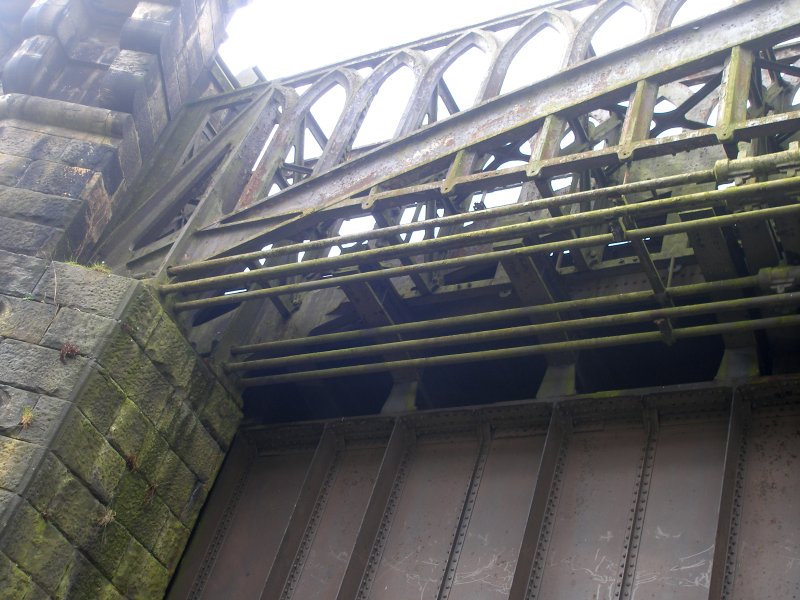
{"x":335,"y":535}
{"x":767,"y":530}
{"x":628,"y":502}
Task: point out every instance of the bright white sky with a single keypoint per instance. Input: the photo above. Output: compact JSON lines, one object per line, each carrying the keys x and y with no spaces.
{"x":284,"y":38}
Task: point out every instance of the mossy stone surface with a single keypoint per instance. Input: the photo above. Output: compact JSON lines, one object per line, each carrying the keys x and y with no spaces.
{"x":142,"y":315}
{"x":151,"y":455}
{"x":100,"y":400}
{"x":14,"y":583}
{"x":136,"y":376}
{"x":220,"y":416}
{"x":176,"y":484}
{"x":140,"y":576}
{"x":37,"y":547}
{"x":81,"y":447}
{"x":16,"y":460}
{"x":74,"y":510}
{"x":129,"y":430}
{"x":47,"y":482}
{"x":83,"y":581}
{"x":171,"y":353}
{"x":141,"y":512}
{"x":170,"y":542}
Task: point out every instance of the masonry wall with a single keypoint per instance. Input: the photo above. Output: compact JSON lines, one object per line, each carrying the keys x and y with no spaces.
{"x":112,"y":428}
{"x":111,"y":433}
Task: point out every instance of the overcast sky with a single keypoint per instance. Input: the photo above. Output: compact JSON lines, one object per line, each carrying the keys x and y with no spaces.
{"x":284,"y":38}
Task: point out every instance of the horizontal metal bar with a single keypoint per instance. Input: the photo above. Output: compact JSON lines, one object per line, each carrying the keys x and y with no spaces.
{"x":681,"y":50}
{"x":503,"y":178}
{"x":711,"y":287}
{"x":510,"y":333}
{"x":494,"y":234}
{"x":705,"y":176}
{"x":475,"y":259}
{"x":506,"y":353}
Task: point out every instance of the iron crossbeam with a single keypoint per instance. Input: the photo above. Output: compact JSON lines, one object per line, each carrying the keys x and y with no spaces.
{"x":476,"y":259}
{"x":511,"y":333}
{"x":520,"y":351}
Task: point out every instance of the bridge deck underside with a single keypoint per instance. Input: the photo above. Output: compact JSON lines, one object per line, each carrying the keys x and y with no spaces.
{"x":685,"y":494}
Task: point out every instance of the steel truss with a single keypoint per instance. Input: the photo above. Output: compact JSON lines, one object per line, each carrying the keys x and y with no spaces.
{"x":636,"y":196}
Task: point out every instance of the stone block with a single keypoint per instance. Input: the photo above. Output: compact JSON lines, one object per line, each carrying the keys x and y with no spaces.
{"x":201,"y":452}
{"x":17,"y":459}
{"x":136,"y":376}
{"x":139,"y":509}
{"x":24,"y":320}
{"x":19,"y":274}
{"x":37,"y":60}
{"x":55,"y":178}
{"x":131,"y":72}
{"x":171,"y":353}
{"x":8,"y":503}
{"x":31,"y":144}
{"x":157,"y":107}
{"x":14,"y":583}
{"x":44,"y":417}
{"x":12,"y":168}
{"x":97,"y":157}
{"x":100,"y":400}
{"x":176,"y":422}
{"x":220,"y":416}
{"x":29,"y":238}
{"x":86,"y":289}
{"x":142,"y":315}
{"x":27,"y":205}
{"x":82,"y":581}
{"x":12,"y":403}
{"x":63,"y":19}
{"x":74,"y":510}
{"x":177,"y":485}
{"x":37,"y":547}
{"x":205,"y":32}
{"x":201,"y":386}
{"x":144,"y":33}
{"x":38,"y":369}
{"x":140,"y":576}
{"x":89,"y":332}
{"x":152,"y":453}
{"x":47,"y":482}
{"x":91,"y":51}
{"x":171,"y":542}
{"x":129,"y":431}
{"x":81,"y":447}
{"x":70,"y":506}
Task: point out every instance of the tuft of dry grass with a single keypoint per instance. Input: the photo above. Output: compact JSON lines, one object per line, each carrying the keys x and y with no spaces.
{"x":106,"y":518}
{"x":26,"y":418}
